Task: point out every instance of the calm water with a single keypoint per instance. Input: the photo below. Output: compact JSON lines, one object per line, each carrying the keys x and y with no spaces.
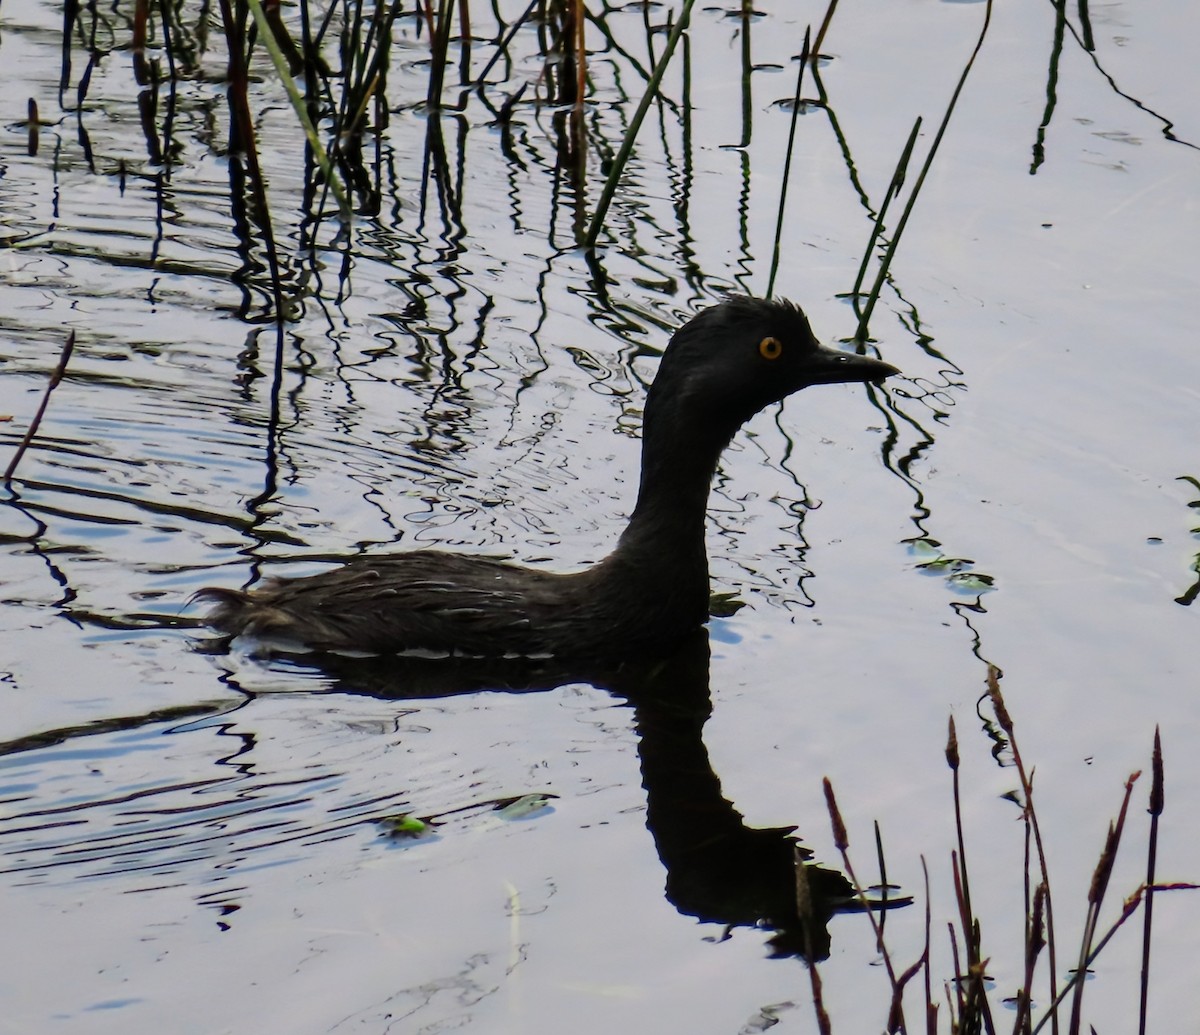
{"x":192,"y":842}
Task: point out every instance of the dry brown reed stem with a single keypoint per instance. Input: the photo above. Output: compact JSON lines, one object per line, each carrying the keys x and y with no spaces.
{"x":952,"y":760}
{"x":842,"y":842}
{"x":1099,"y":885}
{"x":930,"y":1006}
{"x":1035,"y":941}
{"x":974,"y":1010}
{"x":976,"y":1005}
{"x":141,"y":15}
{"x":896,"y":1009}
{"x":805,"y":912}
{"x":33,"y":129}
{"x":895,"y":1012}
{"x":56,"y":376}
{"x":1128,"y":908}
{"x":464,"y":22}
{"x":1031,"y":821}
{"x":1155,"y":810}
{"x":956,"y":1001}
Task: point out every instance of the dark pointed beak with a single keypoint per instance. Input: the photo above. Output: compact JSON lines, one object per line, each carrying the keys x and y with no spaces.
{"x":832,"y":366}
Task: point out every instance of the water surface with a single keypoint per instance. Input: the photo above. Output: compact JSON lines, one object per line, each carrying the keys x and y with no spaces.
{"x":195,"y":839}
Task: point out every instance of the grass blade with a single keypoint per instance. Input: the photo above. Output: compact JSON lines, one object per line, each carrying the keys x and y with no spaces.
{"x":283,"y":69}
{"x":1156,"y":807}
{"x":860,"y":335}
{"x":619,"y":163}
{"x":787,"y":164}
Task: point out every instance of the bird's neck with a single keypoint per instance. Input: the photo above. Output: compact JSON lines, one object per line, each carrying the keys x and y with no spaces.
{"x":665,"y":535}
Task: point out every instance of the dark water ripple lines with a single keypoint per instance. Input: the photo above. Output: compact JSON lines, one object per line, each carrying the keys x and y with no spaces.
{"x":119,"y":805}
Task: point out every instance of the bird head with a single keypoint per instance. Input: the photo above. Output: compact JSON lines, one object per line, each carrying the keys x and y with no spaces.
{"x":733,"y":359}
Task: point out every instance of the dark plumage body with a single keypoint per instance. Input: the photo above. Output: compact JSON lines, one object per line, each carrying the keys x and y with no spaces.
{"x":719,"y":369}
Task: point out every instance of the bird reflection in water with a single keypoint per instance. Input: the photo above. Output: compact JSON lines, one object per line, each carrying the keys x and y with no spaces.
{"x":719,"y":870}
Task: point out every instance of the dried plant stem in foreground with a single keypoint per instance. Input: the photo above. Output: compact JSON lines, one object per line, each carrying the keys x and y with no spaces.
{"x":55,"y":377}
{"x":970,"y":1009}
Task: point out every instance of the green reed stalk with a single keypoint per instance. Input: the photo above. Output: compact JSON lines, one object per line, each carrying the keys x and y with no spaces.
{"x":893,"y":191}
{"x":622,"y":158}
{"x":860,"y":335}
{"x":282,"y":68}
{"x":787,"y":164}
{"x":824,"y":27}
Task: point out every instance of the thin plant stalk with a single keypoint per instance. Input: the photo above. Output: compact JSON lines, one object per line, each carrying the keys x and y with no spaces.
{"x":883,"y":878}
{"x":976,"y":1003}
{"x":1099,"y":886}
{"x":56,"y":377}
{"x":893,"y":191}
{"x":282,"y":68}
{"x":841,"y":841}
{"x":243,"y":137}
{"x":464,"y":23}
{"x":865,"y":319}
{"x":502,"y":46}
{"x":622,"y":158}
{"x":1026,"y":778}
{"x":1035,"y":941}
{"x":1127,"y":910}
{"x":952,"y":759}
{"x":930,"y":1006}
{"x":824,"y":27}
{"x":439,"y":45}
{"x":805,"y":912}
{"x":1156,"y":807}
{"x":974,"y":1008}
{"x":787,"y":164}
{"x":957,"y":1000}
{"x":580,"y":57}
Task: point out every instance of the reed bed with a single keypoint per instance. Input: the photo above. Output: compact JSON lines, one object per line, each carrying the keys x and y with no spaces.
{"x":964,"y":1003}
{"x":336,"y":63}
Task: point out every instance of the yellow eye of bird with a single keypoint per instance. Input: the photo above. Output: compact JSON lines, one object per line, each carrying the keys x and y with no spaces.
{"x":770,"y":348}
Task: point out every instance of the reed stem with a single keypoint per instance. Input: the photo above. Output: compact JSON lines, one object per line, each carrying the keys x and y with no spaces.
{"x":56,"y":377}
{"x":622,"y":158}
{"x":787,"y":164}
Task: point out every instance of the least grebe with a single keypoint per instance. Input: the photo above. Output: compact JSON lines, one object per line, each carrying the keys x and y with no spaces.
{"x":719,"y":369}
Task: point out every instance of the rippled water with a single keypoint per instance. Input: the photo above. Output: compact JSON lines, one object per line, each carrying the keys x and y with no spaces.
{"x":200,"y":842}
